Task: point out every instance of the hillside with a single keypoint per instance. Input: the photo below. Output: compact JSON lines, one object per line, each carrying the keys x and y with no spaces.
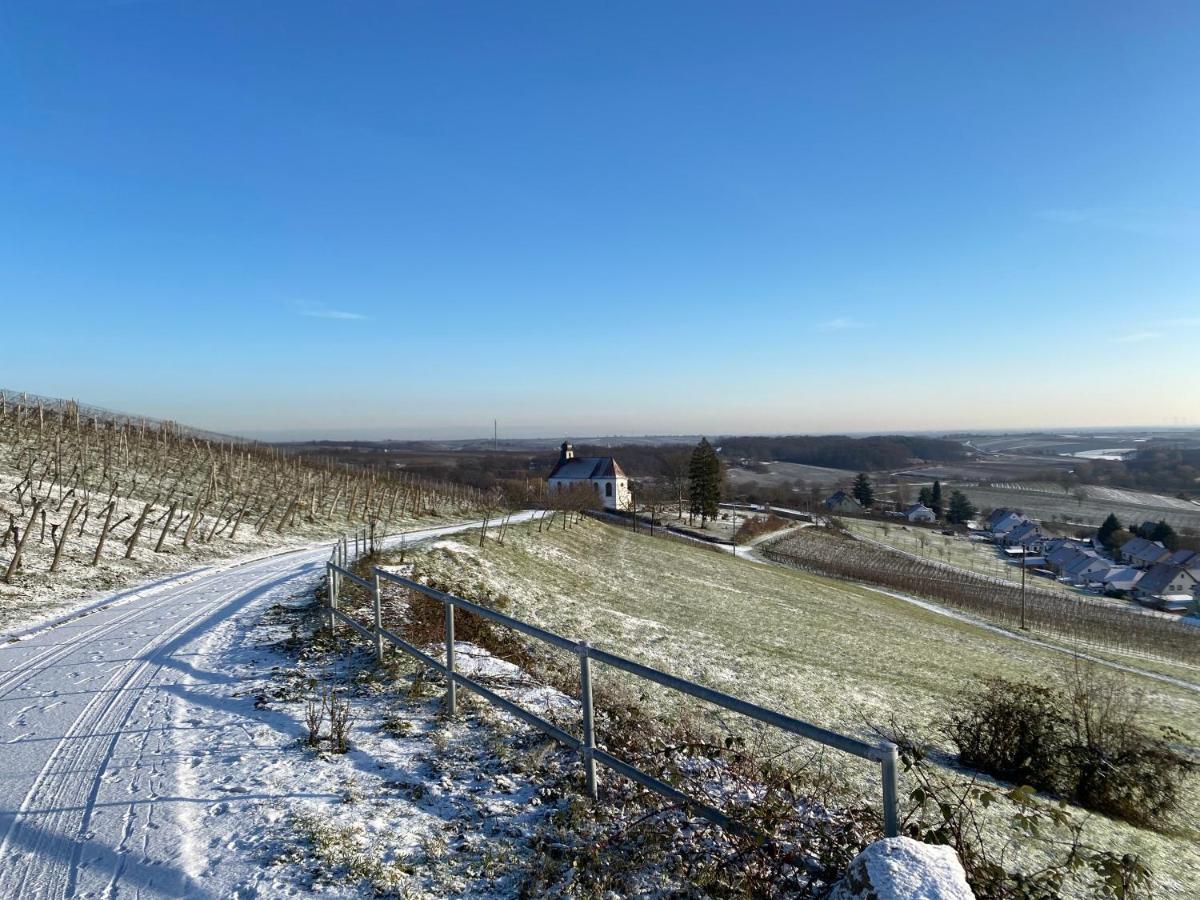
{"x":840,"y":655}
{"x":91,"y":501}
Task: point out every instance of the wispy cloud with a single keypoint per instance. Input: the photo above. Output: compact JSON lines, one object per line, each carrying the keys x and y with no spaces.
{"x":840,"y":324}
{"x":1137,"y":337}
{"x":322,"y":312}
{"x":1185,"y":322}
{"x":1174,"y":224}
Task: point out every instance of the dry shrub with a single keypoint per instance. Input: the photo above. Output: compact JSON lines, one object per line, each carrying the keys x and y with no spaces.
{"x":757,"y":526}
{"x":1084,"y":743}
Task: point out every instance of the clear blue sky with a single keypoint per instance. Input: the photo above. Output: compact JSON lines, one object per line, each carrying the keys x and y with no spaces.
{"x":410,"y":218}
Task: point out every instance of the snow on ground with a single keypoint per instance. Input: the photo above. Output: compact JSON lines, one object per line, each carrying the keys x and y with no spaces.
{"x":418,"y":804}
{"x":142,"y":753}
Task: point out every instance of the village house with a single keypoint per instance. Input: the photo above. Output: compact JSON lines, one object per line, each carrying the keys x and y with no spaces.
{"x":919,"y":512}
{"x":1169,"y":585}
{"x":1053,"y":545}
{"x":841,"y":502}
{"x":1143,"y":553}
{"x":602,"y":472}
{"x":1002,"y":521}
{"x":1188,"y":558}
{"x":1086,"y":568}
{"x":1027,"y":534}
{"x":1068,"y":556}
{"x":1121,"y":579}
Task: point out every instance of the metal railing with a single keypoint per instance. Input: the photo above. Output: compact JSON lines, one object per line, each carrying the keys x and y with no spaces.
{"x":884,"y":752}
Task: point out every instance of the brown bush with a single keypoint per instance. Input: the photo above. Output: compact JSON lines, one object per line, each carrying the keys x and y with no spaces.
{"x":1084,"y":744}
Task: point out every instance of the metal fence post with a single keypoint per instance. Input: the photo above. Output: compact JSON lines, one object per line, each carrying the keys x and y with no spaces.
{"x":451,"y":687}
{"x":333,"y":600}
{"x":329,"y":588}
{"x":378,"y":616}
{"x":891,"y":801}
{"x":589,"y":735}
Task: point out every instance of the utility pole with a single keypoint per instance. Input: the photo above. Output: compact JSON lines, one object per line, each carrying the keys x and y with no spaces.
{"x":1023,"y":555}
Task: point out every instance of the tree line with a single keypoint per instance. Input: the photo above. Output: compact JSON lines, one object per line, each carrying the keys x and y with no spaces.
{"x":841,"y":452}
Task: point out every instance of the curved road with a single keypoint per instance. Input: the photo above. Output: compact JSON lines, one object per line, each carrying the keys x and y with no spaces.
{"x":91,"y":720}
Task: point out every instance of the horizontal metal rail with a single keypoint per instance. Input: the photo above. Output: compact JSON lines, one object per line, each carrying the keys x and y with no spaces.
{"x":531,"y":718}
{"x":350,"y":576}
{"x":349,"y":620}
{"x":885,"y":753}
{"x":751,"y":710}
{"x":508,"y":621}
{"x":661,"y":787}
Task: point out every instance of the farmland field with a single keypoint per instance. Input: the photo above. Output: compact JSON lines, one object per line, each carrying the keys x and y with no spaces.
{"x":785,"y":474}
{"x":831,"y":652}
{"x":1086,"y":506}
{"x":980,"y":557}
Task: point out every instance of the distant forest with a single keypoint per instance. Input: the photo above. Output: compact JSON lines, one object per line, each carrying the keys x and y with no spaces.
{"x":1160,"y":469}
{"x":867,"y":454}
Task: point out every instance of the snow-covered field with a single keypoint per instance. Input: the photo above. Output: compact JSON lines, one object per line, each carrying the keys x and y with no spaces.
{"x":834,"y":653}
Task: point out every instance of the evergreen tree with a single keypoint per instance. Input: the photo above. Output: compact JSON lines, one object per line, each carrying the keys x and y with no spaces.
{"x":1165,"y":535}
{"x":935,"y":499}
{"x":961,"y":508}
{"x":925,"y":497}
{"x":862,"y":490}
{"x":1111,"y":524}
{"x":704,"y":482}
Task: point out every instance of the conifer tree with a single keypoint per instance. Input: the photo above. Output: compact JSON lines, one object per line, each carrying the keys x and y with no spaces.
{"x":704,"y":482}
{"x":961,"y":508}
{"x":1111,"y":524}
{"x":862,"y":490}
{"x":935,"y":499}
{"x":1165,"y":535}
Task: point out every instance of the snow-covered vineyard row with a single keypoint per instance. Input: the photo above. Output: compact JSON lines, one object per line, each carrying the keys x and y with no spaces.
{"x":89,"y":502}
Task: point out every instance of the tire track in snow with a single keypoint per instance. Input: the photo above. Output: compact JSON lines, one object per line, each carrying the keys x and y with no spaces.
{"x":91,"y":801}
{"x":51,"y":654}
{"x":65,"y":791}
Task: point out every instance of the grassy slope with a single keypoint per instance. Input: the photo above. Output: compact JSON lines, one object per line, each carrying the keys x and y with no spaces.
{"x":822,"y":650}
{"x":982,"y":558}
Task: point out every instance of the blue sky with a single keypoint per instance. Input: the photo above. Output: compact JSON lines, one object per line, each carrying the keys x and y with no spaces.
{"x":401,"y":219}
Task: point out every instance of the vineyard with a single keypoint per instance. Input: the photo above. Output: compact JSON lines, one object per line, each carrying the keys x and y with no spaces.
{"x":90,"y":499}
{"x":839,"y":555}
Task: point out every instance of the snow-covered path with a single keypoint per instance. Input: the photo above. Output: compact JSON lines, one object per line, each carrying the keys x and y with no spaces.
{"x":97,"y":716}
